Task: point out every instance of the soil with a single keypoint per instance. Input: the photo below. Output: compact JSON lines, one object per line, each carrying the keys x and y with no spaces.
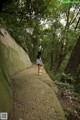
{"x":69,"y":102}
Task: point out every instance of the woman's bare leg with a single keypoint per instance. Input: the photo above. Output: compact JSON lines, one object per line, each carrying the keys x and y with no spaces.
{"x":41,"y":67}
{"x":38,"y":69}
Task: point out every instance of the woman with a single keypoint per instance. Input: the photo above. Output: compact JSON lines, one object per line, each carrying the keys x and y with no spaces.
{"x":39,"y":63}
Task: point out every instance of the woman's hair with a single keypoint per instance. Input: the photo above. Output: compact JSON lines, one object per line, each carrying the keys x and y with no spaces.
{"x":39,"y":52}
{"x":38,"y":56}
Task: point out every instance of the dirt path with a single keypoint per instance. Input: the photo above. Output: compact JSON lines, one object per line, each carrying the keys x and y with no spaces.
{"x":34,"y":97}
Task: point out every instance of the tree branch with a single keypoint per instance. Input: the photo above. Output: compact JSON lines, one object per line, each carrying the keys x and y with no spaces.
{"x":77,"y":23}
{"x":72,"y":21}
{"x":67,"y":15}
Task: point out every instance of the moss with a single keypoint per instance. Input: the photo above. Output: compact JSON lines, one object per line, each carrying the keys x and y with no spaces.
{"x":14,"y":60}
{"x":5,"y":90}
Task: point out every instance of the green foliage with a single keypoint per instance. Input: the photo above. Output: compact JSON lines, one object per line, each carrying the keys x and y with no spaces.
{"x":2,"y":22}
{"x":77,"y":87}
{"x":72,"y":114}
{"x":66,"y":76}
{"x":77,"y":78}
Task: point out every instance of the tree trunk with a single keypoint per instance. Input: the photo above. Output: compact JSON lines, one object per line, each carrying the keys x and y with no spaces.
{"x":74,"y":59}
{"x":58,"y":62}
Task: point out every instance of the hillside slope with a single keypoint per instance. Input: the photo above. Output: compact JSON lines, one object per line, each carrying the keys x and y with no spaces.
{"x":13,"y":59}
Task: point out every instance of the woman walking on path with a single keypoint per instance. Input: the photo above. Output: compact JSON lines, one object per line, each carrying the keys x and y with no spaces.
{"x":39,"y":63}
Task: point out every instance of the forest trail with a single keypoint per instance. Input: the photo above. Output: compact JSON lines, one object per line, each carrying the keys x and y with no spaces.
{"x":34,"y":97}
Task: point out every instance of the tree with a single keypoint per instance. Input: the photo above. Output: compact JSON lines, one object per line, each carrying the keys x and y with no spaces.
{"x":74,"y":60}
{"x":68,"y":33}
{"x":26,"y":14}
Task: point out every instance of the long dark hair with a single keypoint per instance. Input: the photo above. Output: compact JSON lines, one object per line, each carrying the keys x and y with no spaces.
{"x":39,"y":54}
